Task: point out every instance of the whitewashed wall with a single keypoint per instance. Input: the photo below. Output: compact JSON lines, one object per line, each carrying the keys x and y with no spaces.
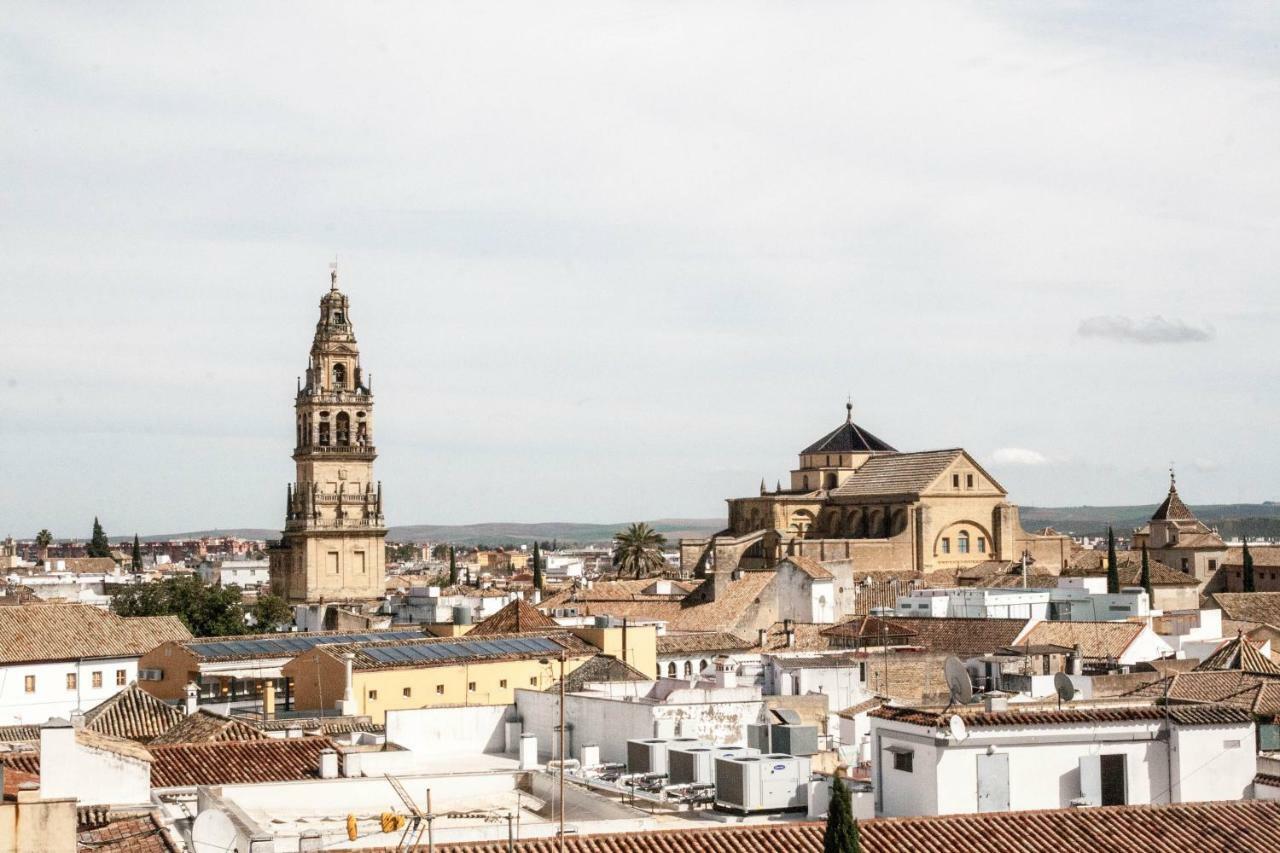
{"x":51,"y":697}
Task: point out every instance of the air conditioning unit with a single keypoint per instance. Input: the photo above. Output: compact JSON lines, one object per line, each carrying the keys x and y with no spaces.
{"x":688,"y":765}
{"x":758,"y":737}
{"x":647,"y":755}
{"x":794,"y":740}
{"x":756,"y":783}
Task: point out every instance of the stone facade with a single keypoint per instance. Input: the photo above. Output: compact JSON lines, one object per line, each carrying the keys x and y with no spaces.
{"x":333,"y":546}
{"x":1175,"y":537}
{"x":856,"y":498}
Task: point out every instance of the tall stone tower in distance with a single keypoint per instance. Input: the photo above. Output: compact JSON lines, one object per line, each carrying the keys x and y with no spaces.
{"x":333,"y":546}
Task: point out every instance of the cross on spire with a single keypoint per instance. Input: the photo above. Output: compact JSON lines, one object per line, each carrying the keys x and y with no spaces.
{"x":848,"y":409}
{"x":333,"y":273}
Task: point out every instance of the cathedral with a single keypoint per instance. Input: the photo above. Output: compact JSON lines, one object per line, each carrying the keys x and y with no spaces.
{"x":855,"y":497}
{"x":333,"y":546}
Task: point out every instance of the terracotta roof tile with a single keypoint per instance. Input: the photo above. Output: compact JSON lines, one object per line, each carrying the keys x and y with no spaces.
{"x":207,"y":727}
{"x":599,"y":669}
{"x":51,"y":632}
{"x":701,"y":641}
{"x":960,"y":636}
{"x":1173,"y":509}
{"x":125,"y":834}
{"x":1263,"y":556}
{"x":809,"y":566}
{"x":237,"y":762}
{"x":897,"y":474}
{"x":1249,"y":606}
{"x":1240,"y":655}
{"x":25,"y":761}
{"x":809,"y":637}
{"x":19,"y":734}
{"x":699,"y":612}
{"x":1129,"y":565}
{"x":132,"y":713}
{"x":976,"y":717}
{"x":1099,"y":640}
{"x":515,"y":618}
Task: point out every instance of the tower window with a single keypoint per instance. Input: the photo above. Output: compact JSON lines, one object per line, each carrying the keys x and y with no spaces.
{"x":339,"y":376}
{"x":338,"y":318}
{"x":343,"y":429}
{"x":982,"y":544}
{"x":324,"y":433}
{"x":968,"y":481}
{"x":962,"y":542}
{"x":955,"y":481}
{"x":946,"y":545}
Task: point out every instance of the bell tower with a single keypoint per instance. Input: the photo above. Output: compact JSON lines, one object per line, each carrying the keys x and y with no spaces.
{"x":333,"y":545}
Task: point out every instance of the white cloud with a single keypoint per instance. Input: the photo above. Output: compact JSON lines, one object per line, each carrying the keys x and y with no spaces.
{"x":1019,"y":456}
{"x":1151,"y":330}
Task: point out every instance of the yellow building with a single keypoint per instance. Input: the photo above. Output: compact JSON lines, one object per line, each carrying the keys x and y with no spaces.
{"x":333,"y":547}
{"x":373,"y":678}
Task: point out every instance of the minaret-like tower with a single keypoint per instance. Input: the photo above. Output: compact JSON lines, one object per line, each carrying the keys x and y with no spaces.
{"x":333,"y":547}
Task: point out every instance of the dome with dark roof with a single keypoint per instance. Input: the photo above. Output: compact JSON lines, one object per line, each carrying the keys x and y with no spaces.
{"x":849,"y":438}
{"x":1173,"y":509}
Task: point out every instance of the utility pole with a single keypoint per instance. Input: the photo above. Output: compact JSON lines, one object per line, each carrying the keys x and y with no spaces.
{"x":563,"y":653}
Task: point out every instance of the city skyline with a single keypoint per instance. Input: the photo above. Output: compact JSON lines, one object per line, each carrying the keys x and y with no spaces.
{"x":612,"y":268}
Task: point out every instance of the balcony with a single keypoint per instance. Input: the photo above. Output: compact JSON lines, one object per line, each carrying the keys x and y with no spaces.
{"x":366,"y":451}
{"x":337,"y":398}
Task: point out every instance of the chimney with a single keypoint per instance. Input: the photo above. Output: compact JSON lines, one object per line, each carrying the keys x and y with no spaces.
{"x":762,"y":637}
{"x":726,"y":675}
{"x":993,"y":702}
{"x":1075,"y":663}
{"x":58,"y":762}
{"x":77,"y":719}
{"x":348,"y":704}
{"x":193,"y":698}
{"x":328,"y":764}
{"x":789,"y":628}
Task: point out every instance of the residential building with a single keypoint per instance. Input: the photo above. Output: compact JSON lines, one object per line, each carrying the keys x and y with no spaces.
{"x":333,"y":548}
{"x":246,"y":574}
{"x":992,"y":759}
{"x":855,"y":497}
{"x":686,"y":655}
{"x":1174,"y":589}
{"x":1266,"y":568}
{"x":1102,"y":644}
{"x":57,"y":659}
{"x":1175,"y":537}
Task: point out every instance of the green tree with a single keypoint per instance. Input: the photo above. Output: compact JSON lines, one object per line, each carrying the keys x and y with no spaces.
{"x":453,"y":567}
{"x":206,"y":610}
{"x":1145,"y":580}
{"x":43,"y":540}
{"x":841,"y":834}
{"x":1250,"y":582}
{"x":538,"y":580}
{"x":137,"y":554}
{"x":439,"y":552}
{"x":98,"y":544}
{"x":1113,"y":570}
{"x":270,"y":612}
{"x":638,"y":550}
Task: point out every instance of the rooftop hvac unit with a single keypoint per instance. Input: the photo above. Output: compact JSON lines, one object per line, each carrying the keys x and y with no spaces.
{"x":795,"y":740}
{"x":688,"y":765}
{"x":758,"y":737}
{"x":756,"y":783}
{"x":647,"y":755}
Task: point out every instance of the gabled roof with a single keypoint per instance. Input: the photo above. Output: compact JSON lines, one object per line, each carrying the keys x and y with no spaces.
{"x":1098,"y":640}
{"x":1259,"y":694}
{"x":236,"y":762}
{"x":849,"y":438}
{"x":701,"y":641}
{"x":959,"y":636}
{"x":871,"y":630}
{"x":699,"y":613}
{"x":53,"y":632}
{"x":899,"y":474}
{"x":20,"y":734}
{"x":978,"y":717}
{"x":106,"y":832}
{"x":517,"y":617}
{"x":1249,"y":606}
{"x":207,"y":727}
{"x":1239,"y":655}
{"x":809,"y":566}
{"x":1173,"y":509}
{"x":597,"y":669}
{"x":132,"y":713}
{"x":1093,"y":563}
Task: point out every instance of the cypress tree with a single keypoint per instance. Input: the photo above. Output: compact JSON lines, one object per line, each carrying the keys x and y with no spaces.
{"x":453,"y":567}
{"x":1146,"y":577}
{"x":1113,"y":571}
{"x":841,"y":835}
{"x":537,"y":567}
{"x":98,"y":545}
{"x":1249,"y":579}
{"x":137,"y":554}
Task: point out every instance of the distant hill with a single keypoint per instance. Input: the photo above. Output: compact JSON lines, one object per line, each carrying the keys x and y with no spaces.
{"x":492,"y":533}
{"x":1231,"y":519}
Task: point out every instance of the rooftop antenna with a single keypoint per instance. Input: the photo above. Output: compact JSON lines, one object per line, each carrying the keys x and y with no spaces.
{"x":959,"y":685}
{"x":1066,"y":689}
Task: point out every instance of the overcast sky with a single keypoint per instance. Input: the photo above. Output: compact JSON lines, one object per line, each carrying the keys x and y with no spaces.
{"x":618,"y":261}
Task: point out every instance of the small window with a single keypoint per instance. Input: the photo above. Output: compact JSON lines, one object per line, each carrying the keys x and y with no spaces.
{"x":373,"y":694}
{"x":982,"y":544}
{"x":968,"y":481}
{"x":688,"y":668}
{"x":502,"y":683}
{"x":533,"y":682}
{"x":408,"y":692}
{"x":946,"y":545}
{"x":671,"y":670}
{"x":71,"y":681}
{"x":1185,"y":564}
{"x":902,"y":759}
{"x":439,"y":689}
{"x":471,"y":687}
{"x":955,"y":481}
{"x":120,"y":677}
{"x":97,"y":678}
{"x":29,"y":684}
{"x":962,"y":542}
{"x":1213,"y":564}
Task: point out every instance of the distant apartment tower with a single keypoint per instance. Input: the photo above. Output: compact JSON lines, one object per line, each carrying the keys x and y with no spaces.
{"x":333,"y":545}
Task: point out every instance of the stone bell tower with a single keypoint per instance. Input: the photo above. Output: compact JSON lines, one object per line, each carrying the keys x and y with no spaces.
{"x":333,"y":546}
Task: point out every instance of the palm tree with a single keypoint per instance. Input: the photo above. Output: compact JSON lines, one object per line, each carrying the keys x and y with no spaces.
{"x":638,"y":550}
{"x":43,"y":540}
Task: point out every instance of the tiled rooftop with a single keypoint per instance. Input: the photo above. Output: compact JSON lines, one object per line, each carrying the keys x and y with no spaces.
{"x":515,"y":618}
{"x":959,"y":636}
{"x":700,"y":642}
{"x":133,"y":713}
{"x":1099,"y":640}
{"x":207,"y":727}
{"x":128,"y":833}
{"x":53,"y":632}
{"x":977,"y":717}
{"x":236,"y":762}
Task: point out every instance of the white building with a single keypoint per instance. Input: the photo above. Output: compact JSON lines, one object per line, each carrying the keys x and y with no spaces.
{"x":245,"y":574}
{"x":431,"y":605}
{"x":56,"y":659}
{"x":925,"y":762}
{"x":563,"y":566}
{"x":1075,"y":599}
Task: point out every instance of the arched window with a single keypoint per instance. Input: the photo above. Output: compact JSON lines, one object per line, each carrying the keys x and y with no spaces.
{"x":962,"y":542}
{"x":343,"y":429}
{"x":339,"y":376}
{"x":688,"y":669}
{"x":702,"y":664}
{"x":324,"y":433}
{"x":671,"y":670}
{"x":831,"y":480}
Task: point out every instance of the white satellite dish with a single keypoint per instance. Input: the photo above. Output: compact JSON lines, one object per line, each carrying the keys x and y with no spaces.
{"x":958,"y":682}
{"x":1065,"y":687}
{"x":958,"y":729}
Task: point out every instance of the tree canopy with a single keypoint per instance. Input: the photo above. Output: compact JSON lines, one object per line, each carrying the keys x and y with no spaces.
{"x":1113,"y":568}
{"x":841,"y":834}
{"x":98,"y":544}
{"x":637,"y":551}
{"x":538,"y":579}
{"x":206,"y":610}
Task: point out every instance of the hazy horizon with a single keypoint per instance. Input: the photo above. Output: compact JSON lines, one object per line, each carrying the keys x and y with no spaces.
{"x":610,"y":260}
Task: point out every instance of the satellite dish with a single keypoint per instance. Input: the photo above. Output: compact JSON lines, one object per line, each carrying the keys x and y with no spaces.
{"x":958,"y":682}
{"x":1066,"y":689}
{"x":958,"y":729}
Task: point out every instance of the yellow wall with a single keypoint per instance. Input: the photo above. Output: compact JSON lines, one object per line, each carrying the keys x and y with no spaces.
{"x":642,"y":644}
{"x":180,"y":668}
